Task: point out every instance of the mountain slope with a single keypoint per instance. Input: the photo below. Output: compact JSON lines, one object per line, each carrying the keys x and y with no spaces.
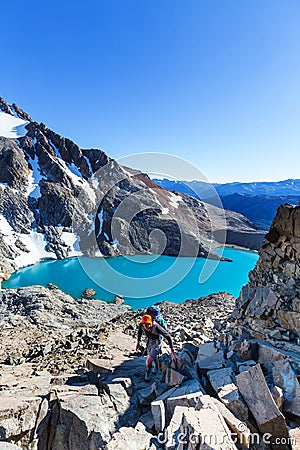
{"x":257,"y":201}
{"x":260,"y":209}
{"x":58,"y":200}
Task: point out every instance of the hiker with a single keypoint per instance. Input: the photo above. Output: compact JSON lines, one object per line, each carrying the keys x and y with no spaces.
{"x":153,"y":331}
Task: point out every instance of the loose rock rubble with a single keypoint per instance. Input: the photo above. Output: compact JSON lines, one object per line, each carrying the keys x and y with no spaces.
{"x":72,"y":367}
{"x":50,"y":328}
{"x":234,"y":386}
{"x":106,"y":405}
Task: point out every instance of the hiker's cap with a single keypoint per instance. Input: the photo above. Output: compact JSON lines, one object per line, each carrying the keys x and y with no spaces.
{"x":146,"y":318}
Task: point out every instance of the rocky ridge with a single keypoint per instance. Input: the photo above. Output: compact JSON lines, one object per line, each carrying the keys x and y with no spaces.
{"x":270,"y":303}
{"x":58,"y":200}
{"x":258,"y":201}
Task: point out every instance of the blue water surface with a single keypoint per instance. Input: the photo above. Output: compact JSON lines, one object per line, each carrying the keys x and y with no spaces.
{"x":142,"y":280}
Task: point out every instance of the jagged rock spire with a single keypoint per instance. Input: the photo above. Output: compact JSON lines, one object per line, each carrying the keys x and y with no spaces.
{"x":22,"y":114}
{"x":4,"y":107}
{"x":14,"y":110}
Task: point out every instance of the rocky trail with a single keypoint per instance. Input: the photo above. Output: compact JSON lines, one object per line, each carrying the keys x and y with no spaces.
{"x":70,"y":378}
{"x":48,"y":362}
{"x":98,"y":398}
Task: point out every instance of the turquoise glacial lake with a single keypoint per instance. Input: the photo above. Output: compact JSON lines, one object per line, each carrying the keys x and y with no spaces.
{"x":142,"y":280}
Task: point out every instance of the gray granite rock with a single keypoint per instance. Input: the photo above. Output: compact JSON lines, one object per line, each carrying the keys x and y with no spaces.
{"x":270,"y":299}
{"x":258,"y":398}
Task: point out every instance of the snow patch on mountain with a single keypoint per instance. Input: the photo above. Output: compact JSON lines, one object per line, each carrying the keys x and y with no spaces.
{"x":35,"y":243}
{"x":100,"y":217}
{"x":88,"y":162}
{"x":5,"y":228}
{"x":14,"y":111}
{"x":72,"y":240}
{"x":33,"y":189}
{"x":174,"y":199}
{"x":77,"y":181}
{"x":92,"y":223}
{"x":12,"y":127}
{"x":70,"y":169}
{"x":95,"y":183}
{"x":89,"y":191}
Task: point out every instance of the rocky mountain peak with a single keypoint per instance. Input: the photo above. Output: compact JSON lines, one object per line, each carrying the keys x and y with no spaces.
{"x":286,"y":223}
{"x":80,"y":201}
{"x":14,"y":110}
{"x":20,"y":113}
{"x":4,"y":107}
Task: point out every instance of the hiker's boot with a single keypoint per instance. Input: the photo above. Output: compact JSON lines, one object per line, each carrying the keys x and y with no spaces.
{"x":147,"y":375}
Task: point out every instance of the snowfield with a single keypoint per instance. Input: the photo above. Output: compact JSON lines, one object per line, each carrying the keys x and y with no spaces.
{"x":34,"y":241}
{"x":12,"y":127}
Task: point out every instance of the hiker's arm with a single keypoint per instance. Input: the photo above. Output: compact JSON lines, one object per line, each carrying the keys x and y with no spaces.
{"x":140,"y":332}
{"x":161,"y":330}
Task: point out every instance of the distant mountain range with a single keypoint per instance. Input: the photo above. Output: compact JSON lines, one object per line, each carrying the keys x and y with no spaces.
{"x":258,"y":201}
{"x":202,"y":189}
{"x":260,"y":209}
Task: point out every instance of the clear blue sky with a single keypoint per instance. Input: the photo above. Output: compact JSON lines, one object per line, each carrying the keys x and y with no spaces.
{"x":214,"y":81}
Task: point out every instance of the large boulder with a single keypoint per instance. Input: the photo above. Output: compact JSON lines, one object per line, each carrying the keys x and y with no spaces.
{"x":199,"y":429}
{"x":223,"y":382}
{"x":87,"y":421}
{"x":21,"y":417}
{"x":259,"y":400}
{"x":128,"y":438}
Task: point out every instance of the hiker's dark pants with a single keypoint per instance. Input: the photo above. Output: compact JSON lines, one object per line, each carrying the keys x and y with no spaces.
{"x":153,"y":348}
